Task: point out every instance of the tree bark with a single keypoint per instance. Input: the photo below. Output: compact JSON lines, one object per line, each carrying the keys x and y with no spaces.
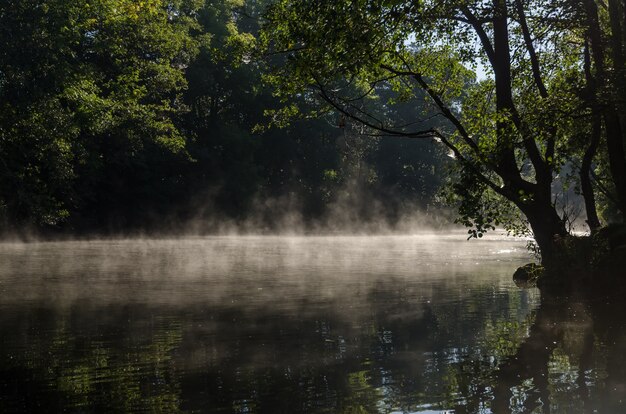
{"x":547,"y":227}
{"x":617,"y":16}
{"x":536,"y":202}
{"x":614,"y":133}
{"x":596,"y":131}
{"x":504,"y":94}
{"x":585,"y":174}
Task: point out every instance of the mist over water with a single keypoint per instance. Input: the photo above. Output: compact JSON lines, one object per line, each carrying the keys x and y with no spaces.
{"x":216,"y":268}
{"x":277,"y":324}
{"x":352,"y":214}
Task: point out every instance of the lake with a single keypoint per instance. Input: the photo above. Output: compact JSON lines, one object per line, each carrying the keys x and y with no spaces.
{"x":316,"y":324}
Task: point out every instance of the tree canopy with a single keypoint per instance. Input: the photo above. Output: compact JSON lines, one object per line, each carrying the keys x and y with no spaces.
{"x":119,"y":115}
{"x":547,"y":95}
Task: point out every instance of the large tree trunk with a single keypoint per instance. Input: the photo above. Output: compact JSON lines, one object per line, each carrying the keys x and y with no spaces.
{"x":539,"y":210}
{"x":504,"y":94}
{"x":585,"y":175}
{"x":617,"y":157}
{"x":618,"y":102}
{"x":596,"y":131}
{"x":617,"y":15}
{"x":614,"y":133}
{"x":547,"y":227}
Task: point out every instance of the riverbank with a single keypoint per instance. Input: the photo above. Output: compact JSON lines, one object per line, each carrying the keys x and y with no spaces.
{"x":591,"y":263}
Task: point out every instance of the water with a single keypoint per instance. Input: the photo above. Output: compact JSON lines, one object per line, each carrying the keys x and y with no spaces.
{"x":389,"y":324}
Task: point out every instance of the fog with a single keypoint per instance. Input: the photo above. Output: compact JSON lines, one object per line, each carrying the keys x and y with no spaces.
{"x":252,"y":270}
{"x":353,"y":210}
{"x":214,"y":322}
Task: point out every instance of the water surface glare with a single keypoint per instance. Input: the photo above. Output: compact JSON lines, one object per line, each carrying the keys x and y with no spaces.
{"x":269,"y":324}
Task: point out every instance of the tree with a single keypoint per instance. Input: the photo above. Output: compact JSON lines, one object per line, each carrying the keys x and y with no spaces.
{"x":508,"y":130}
{"x":88,"y":92}
{"x":606,"y":71}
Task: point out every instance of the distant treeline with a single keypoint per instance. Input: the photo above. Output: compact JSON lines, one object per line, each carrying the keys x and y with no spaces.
{"x":118,"y":115}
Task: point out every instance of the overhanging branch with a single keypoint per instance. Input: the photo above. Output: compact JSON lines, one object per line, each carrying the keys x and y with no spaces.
{"x":447,"y":112}
{"x":384,"y":131}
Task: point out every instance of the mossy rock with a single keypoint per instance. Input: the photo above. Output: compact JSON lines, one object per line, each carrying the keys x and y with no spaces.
{"x":528,"y":275}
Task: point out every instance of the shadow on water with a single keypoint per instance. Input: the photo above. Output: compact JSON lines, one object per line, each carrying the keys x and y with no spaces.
{"x":373,"y":334}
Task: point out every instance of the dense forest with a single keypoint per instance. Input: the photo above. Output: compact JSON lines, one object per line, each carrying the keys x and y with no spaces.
{"x":120,"y":116}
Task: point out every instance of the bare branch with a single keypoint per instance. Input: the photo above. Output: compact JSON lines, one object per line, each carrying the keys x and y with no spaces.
{"x":472,"y":167}
{"x":427,"y":133}
{"x":439,"y":102}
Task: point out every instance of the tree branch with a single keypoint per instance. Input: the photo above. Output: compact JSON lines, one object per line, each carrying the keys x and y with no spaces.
{"x":439,"y":102}
{"x":474,"y":169}
{"x":482,"y":35}
{"x":534,"y":61}
{"x":427,"y":133}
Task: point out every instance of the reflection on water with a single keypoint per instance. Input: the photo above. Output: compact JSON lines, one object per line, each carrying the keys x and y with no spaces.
{"x":315,"y":324}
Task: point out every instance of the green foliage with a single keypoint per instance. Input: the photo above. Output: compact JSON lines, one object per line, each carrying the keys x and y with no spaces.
{"x":511,"y":84}
{"x":85,"y":85}
{"x":116,"y":114}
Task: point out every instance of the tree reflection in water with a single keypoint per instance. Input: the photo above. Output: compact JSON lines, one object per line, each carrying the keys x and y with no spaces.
{"x":465,"y":341}
{"x":397,"y":356}
{"x":381,"y":350}
{"x":572,"y":360}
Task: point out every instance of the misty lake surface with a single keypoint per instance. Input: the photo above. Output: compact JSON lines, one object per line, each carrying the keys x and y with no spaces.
{"x":269,"y":324}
